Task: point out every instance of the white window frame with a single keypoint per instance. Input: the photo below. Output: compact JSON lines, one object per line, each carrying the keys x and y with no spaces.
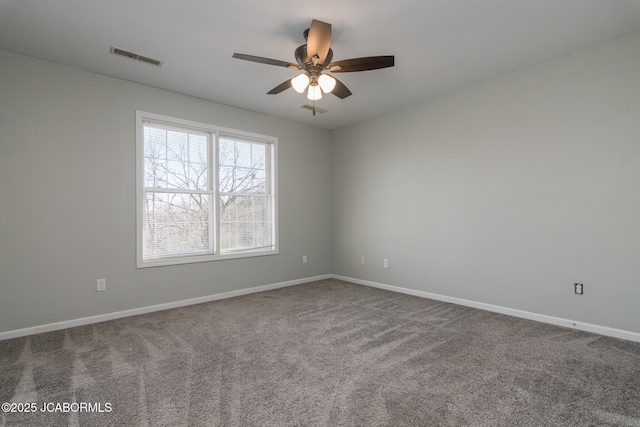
{"x":213,"y":172}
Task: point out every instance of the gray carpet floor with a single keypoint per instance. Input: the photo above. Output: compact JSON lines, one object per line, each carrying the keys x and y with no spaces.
{"x":327,"y":353}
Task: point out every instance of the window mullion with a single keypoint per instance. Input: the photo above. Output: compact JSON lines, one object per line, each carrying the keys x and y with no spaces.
{"x":214,"y":172}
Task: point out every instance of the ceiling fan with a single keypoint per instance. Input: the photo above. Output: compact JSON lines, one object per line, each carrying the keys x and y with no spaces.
{"x":314,"y":58}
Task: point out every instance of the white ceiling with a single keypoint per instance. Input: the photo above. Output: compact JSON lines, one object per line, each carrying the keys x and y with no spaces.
{"x":439,"y":45}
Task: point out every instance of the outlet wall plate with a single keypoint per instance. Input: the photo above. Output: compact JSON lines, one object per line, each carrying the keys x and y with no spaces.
{"x":578,"y":288}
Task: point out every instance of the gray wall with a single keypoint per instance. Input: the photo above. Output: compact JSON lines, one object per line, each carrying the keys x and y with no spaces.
{"x":505,"y":192}
{"x":67,"y":197}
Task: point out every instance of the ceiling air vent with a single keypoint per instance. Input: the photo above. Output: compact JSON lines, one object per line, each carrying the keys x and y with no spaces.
{"x":317,"y":109}
{"x":121,"y":52}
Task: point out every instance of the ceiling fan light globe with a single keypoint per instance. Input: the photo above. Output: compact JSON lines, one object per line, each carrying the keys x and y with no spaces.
{"x":314,"y":93}
{"x":300,"y":83}
{"x":327,"y":83}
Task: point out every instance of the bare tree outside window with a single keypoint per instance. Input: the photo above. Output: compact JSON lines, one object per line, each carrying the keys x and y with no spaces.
{"x":244,"y":199}
{"x":177,"y":198}
{"x":179,"y":215}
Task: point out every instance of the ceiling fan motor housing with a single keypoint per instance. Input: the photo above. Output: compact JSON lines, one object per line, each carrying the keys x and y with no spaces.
{"x":307,"y":64}
{"x":304,"y":61}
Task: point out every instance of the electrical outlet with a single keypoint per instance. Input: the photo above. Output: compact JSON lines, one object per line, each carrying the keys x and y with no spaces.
{"x":362,"y":260}
{"x":385,"y":263}
{"x":304,"y":259}
{"x":101,"y":285}
{"x":578,"y":288}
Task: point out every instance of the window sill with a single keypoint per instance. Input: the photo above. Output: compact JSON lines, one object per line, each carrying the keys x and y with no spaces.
{"x":204,"y":258}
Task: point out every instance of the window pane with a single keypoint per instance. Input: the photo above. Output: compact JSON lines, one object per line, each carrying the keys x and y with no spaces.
{"x":245,"y":209}
{"x":227,"y":179}
{"x":198,"y":179}
{"x":245,"y":235}
{"x":175,"y":159}
{"x":176,"y":224}
{"x":228,"y":210}
{"x":198,"y":155}
{"x":262,"y":209}
{"x":177,"y":146}
{"x":258,"y":155}
{"x":242,"y":181}
{"x":151,"y":173}
{"x":176,"y":175}
{"x":258,"y":182}
{"x":155,"y":144}
{"x":243,"y":154}
{"x":262,"y":234}
{"x":245,"y":212}
{"x":245,"y":223}
{"x":227,"y":152}
{"x":228,"y":236}
{"x":155,"y":156}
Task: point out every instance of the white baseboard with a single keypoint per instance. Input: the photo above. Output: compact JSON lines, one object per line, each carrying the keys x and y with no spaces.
{"x":573,"y":324}
{"x":149,"y":309}
{"x":587,"y":327}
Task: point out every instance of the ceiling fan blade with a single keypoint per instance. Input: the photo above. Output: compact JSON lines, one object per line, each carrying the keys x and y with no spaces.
{"x":341,"y":91}
{"x":361,"y":64}
{"x":318,"y":41}
{"x":267,"y":61}
{"x":280,"y":88}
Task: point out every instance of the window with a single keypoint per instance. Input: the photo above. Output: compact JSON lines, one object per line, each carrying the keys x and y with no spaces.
{"x":204,"y":193}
